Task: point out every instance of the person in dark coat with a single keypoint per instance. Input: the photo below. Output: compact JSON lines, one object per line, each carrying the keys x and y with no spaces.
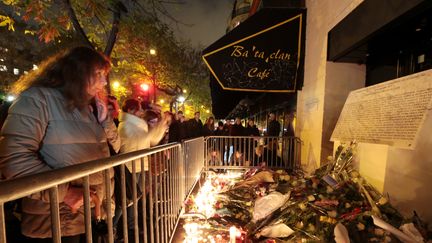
{"x":208,"y":129}
{"x":176,"y":130}
{"x":195,"y":126}
{"x":273,"y":129}
{"x":220,"y":131}
{"x":251,"y":130}
{"x":220,"y":142}
{"x":237,"y":129}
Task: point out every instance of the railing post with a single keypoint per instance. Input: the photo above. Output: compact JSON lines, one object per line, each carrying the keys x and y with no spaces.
{"x":108,"y":205}
{"x":55,"y":217}
{"x":87,"y":210}
{"x":2,"y":224}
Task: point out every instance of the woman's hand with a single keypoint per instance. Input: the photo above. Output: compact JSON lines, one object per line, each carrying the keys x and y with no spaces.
{"x":74,"y":198}
{"x":102,"y":110}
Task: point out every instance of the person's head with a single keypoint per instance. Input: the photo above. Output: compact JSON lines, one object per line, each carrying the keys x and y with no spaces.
{"x":133,"y":106}
{"x":210,"y":121}
{"x":251,"y":122}
{"x":145,"y":105}
{"x":197,"y":115}
{"x":79,"y":73}
{"x":272,"y":116}
{"x":237,"y":121}
{"x":179,"y":115}
{"x":151,"y":117}
{"x":220,"y":125}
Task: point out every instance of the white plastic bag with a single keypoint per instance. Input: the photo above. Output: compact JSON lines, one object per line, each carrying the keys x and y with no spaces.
{"x":268,"y":204}
{"x":276,"y":231}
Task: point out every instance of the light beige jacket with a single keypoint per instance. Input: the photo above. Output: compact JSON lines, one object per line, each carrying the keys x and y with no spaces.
{"x":135,"y":135}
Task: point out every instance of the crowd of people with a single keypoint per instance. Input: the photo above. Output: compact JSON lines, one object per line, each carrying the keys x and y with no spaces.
{"x":62,"y":118}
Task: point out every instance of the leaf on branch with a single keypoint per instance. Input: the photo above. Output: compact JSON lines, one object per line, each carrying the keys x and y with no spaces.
{"x":7,"y":21}
{"x":64,"y":22}
{"x":10,"y":2}
{"x":30,"y":32}
{"x":48,"y":33}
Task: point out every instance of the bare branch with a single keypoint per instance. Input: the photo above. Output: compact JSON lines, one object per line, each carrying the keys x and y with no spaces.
{"x":114,"y":30}
{"x":76,"y":23}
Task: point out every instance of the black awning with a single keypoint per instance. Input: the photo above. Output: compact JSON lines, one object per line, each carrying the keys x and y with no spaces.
{"x":263,"y":54}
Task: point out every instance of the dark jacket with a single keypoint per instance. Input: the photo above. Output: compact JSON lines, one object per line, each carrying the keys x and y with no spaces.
{"x":273,"y":128}
{"x":176,"y":131}
{"x":220,"y":132}
{"x":251,"y":131}
{"x":194,"y":128}
{"x":237,"y":130}
{"x":208,"y":131}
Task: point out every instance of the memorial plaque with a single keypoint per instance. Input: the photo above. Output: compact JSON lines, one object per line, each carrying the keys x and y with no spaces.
{"x":388,"y":113}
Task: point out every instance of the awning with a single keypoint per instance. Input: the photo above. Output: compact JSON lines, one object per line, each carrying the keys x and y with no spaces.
{"x":265,"y":53}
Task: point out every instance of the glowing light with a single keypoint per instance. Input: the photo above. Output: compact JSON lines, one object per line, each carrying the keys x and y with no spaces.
{"x":153,"y":52}
{"x":187,"y":112}
{"x":184,"y":91}
{"x":35,"y":67}
{"x":161,"y":101}
{"x":233,"y":234}
{"x":144,"y":87}
{"x":205,"y":204}
{"x":202,"y":106}
{"x":207,"y":111}
{"x":10,"y":98}
{"x":16,"y":71}
{"x":116,"y":85}
{"x":181,"y":99}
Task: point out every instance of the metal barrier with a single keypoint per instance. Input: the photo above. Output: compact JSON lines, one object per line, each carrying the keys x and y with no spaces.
{"x":228,"y":151}
{"x":173,"y":171}
{"x":160,"y":205}
{"x":193,"y":151}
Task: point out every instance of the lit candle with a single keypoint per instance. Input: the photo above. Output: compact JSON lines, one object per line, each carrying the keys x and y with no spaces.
{"x":233,"y":234}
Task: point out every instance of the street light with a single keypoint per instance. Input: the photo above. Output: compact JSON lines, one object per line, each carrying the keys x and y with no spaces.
{"x":144,"y":87}
{"x":116,"y":85}
{"x":181,"y":99}
{"x":153,"y":52}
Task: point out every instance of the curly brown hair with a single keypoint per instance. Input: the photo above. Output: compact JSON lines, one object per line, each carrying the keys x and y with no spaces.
{"x":69,"y":71}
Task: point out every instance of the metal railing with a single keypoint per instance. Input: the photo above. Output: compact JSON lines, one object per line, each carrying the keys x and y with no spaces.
{"x":155,"y":214}
{"x":228,"y":151}
{"x":173,"y":171}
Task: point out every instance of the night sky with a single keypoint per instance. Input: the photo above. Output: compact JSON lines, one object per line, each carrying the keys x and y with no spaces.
{"x":206,"y":20}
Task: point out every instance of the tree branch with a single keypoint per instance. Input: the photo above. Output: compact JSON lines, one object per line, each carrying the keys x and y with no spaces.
{"x":114,"y":30}
{"x":76,"y":23}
